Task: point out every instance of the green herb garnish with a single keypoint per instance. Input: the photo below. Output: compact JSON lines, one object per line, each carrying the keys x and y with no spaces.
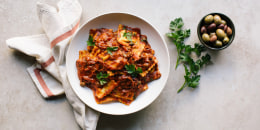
{"x":90,"y":41}
{"x":101,"y":77}
{"x":131,"y":70}
{"x":110,"y":49}
{"x":128,"y":36}
{"x":176,"y":24}
{"x":184,"y":51}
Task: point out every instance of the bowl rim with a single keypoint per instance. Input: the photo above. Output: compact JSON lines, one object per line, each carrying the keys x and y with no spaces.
{"x":229,"y":22}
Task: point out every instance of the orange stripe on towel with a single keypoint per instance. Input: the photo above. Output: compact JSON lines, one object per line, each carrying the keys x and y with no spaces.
{"x":42,"y":82}
{"x":48,"y":62}
{"x":64,"y":36}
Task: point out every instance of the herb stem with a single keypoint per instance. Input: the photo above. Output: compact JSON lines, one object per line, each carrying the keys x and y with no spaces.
{"x":182,"y":87}
{"x":177,"y":62}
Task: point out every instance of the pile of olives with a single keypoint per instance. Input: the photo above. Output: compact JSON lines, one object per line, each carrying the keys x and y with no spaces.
{"x":215,"y":31}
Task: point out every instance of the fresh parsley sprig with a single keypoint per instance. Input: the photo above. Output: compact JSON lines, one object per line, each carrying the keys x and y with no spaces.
{"x":177,"y":24}
{"x":101,"y":77}
{"x":131,"y":70}
{"x":110,"y":49}
{"x":178,"y":35}
{"x":90,"y":41}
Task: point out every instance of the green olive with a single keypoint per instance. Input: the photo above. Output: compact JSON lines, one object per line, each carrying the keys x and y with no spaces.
{"x":217,"y":19}
{"x":212,"y":34}
{"x":223,"y":22}
{"x":205,"y":37}
{"x":208,"y":19}
{"x":225,"y":40}
{"x":218,"y":43}
{"x":220,"y":33}
{"x":213,"y":38}
{"x":229,"y":31}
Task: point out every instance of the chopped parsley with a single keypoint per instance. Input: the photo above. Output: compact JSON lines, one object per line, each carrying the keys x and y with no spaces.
{"x":110,"y":49}
{"x":101,"y":77}
{"x":131,"y":70}
{"x":90,"y":41}
{"x":128,"y":36}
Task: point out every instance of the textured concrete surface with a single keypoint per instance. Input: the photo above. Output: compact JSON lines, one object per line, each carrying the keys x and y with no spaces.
{"x":227,"y":98}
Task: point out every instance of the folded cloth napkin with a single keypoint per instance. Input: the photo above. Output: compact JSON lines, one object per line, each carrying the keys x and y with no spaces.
{"x":49,"y":49}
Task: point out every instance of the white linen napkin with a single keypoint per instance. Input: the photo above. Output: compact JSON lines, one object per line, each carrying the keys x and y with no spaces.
{"x":49,"y":49}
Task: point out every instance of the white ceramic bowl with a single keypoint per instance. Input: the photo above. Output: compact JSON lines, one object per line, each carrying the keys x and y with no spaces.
{"x":111,"y":21}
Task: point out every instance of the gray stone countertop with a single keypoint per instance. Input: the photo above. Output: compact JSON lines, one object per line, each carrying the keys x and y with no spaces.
{"x":228,"y":96}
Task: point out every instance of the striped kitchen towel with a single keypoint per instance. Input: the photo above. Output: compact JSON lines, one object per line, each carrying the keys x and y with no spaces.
{"x":49,"y":49}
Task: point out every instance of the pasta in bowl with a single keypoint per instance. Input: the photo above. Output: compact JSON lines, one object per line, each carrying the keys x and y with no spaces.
{"x":117,"y":65}
{"x":108,"y":23}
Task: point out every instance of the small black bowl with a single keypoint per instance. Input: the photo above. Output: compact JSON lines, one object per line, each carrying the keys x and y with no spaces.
{"x":228,"y":22}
